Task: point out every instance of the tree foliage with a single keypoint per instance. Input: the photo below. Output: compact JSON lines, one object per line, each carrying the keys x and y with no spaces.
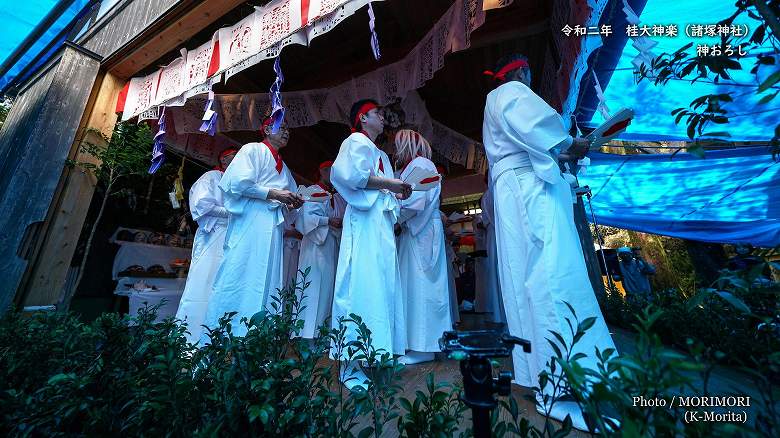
{"x":707,"y":117}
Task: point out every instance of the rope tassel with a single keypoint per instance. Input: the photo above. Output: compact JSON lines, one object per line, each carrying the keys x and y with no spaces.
{"x":374,"y":37}
{"x":158,"y":152}
{"x":277,"y":110}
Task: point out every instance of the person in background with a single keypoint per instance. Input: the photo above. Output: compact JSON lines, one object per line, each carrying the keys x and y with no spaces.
{"x":257,"y":189}
{"x":292,"y":247}
{"x":320,"y":224}
{"x":492,"y":283}
{"x":208,"y":210}
{"x":452,"y":273}
{"x":634,"y":274}
{"x":422,"y":255}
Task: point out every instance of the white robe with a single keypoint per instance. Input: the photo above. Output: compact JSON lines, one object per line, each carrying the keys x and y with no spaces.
{"x":251,"y":268}
{"x":292,"y":248}
{"x":367,"y":278}
{"x":319,"y":253}
{"x":496,"y":306}
{"x":453,"y":291}
{"x":422,"y":258}
{"x":208,"y":210}
{"x":539,"y":252}
{"x":482,"y":295}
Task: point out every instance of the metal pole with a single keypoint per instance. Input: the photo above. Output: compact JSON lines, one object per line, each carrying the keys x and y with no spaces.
{"x":598,"y":237}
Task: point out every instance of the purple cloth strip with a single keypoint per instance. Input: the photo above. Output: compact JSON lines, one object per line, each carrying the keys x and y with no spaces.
{"x":277,"y":110}
{"x":209,"y":126}
{"x":158,"y":152}
{"x":374,"y":37}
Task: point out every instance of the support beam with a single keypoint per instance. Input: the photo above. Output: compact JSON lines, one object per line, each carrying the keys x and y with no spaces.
{"x":170,"y":34}
{"x":69,"y":210}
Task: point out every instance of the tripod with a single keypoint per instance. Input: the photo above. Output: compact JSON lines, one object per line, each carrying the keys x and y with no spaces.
{"x":476,"y":348}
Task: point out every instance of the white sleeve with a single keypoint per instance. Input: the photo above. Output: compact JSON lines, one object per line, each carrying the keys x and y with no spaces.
{"x":240,"y":178}
{"x":532,"y":123}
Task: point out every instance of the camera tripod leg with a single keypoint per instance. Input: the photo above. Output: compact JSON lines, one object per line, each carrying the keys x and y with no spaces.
{"x":481,"y":419}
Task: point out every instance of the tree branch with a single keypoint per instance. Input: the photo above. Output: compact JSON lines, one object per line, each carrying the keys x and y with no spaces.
{"x":769,"y":16}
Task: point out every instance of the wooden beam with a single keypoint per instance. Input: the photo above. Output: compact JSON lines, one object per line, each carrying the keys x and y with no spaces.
{"x":69,"y":210}
{"x":169,"y":35}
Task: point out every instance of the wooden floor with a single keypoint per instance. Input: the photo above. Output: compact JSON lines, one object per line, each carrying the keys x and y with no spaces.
{"x":723,"y":381}
{"x":413,"y":378}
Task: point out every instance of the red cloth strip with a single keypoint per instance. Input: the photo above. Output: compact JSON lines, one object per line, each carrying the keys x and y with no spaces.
{"x":275,"y":153}
{"x":430,"y":180}
{"x":617,"y":127}
{"x":120,"y":103}
{"x":214,"y":63}
{"x":304,"y":12}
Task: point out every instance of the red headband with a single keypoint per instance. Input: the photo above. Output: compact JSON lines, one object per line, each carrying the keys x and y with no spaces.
{"x":222,"y":155}
{"x":501,"y":75}
{"x":326,"y":164}
{"x":368,"y":106}
{"x":266,"y":122}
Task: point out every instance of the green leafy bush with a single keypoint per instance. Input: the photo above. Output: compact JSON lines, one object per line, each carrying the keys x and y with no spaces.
{"x":117,"y":376}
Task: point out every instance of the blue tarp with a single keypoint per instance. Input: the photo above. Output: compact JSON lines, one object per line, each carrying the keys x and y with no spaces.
{"x":653,"y":104}
{"x":731,"y":196}
{"x":19,"y":19}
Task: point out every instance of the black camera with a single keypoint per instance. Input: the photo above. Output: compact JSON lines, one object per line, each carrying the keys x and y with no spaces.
{"x":474,"y":349}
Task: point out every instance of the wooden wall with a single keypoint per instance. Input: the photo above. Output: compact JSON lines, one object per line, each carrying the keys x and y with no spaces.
{"x":124,"y":23}
{"x":48,"y":121}
{"x":36,"y":139}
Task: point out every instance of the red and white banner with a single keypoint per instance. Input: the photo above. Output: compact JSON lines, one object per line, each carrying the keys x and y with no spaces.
{"x":259,"y":36}
{"x":171,"y":82}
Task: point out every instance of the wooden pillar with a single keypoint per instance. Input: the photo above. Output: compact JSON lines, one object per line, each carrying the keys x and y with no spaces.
{"x":35,"y":141}
{"x":69,"y":210}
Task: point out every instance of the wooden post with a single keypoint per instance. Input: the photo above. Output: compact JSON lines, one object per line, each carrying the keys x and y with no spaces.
{"x":68,"y":213}
{"x":586,"y":240}
{"x":36,"y":141}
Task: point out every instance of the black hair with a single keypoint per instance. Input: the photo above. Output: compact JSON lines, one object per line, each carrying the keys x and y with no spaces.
{"x":512,"y":57}
{"x":353,"y":112}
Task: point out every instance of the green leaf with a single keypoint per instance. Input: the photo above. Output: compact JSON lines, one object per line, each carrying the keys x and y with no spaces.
{"x":769,"y":82}
{"x":734,"y":301}
{"x":768,"y":98}
{"x":695,"y":149}
{"x":717,"y":134}
{"x":367,"y":432}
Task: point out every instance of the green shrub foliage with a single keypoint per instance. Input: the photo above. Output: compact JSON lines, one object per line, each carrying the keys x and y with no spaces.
{"x":133,"y":377}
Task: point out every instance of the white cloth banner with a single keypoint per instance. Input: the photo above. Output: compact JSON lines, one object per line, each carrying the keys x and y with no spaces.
{"x":140,"y":95}
{"x":387,"y":85}
{"x":259,"y":36}
{"x":316,"y":26}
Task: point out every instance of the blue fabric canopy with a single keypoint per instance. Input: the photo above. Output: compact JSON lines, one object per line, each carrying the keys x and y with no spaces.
{"x":19,"y":20}
{"x":731,"y":196}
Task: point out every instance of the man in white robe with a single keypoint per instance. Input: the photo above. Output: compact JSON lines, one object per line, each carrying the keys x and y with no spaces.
{"x":453,"y":290}
{"x":422,"y":256}
{"x":367,"y":278}
{"x":208,"y":210}
{"x":320,"y":224}
{"x":539,"y":253}
{"x":257,"y":188}
{"x":482,"y":295}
